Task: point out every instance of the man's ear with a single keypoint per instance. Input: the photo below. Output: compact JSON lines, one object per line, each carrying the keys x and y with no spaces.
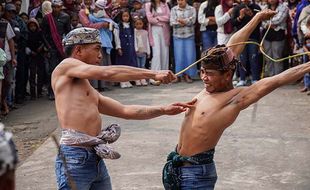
{"x":77,"y":50}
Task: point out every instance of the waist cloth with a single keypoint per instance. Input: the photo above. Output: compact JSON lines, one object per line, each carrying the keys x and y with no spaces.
{"x":170,"y":175}
{"x":99,"y":143}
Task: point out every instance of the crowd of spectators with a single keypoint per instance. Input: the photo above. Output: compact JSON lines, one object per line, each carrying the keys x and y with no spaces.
{"x":153,"y":34}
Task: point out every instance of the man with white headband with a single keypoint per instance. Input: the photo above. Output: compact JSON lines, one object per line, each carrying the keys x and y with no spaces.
{"x":191,"y":165}
{"x":8,"y":160}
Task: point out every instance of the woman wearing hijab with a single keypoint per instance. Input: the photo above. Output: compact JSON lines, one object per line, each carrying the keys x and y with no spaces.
{"x":222,"y":18}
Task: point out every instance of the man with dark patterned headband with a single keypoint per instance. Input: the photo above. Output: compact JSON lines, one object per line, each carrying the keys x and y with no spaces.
{"x":191,"y":165}
{"x":83,"y":144}
{"x":8,"y":160}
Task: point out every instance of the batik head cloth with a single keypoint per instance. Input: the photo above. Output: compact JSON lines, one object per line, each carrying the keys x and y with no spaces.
{"x":219,"y":58}
{"x":81,"y":36}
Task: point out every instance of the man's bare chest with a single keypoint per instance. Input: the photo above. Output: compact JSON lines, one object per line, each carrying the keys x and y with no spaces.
{"x":84,"y":90}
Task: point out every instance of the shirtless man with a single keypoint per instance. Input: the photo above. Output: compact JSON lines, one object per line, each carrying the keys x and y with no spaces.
{"x":79,"y":106}
{"x":191,"y":165}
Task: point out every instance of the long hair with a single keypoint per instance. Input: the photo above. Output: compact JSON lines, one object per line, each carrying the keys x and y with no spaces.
{"x":153,"y":5}
{"x":211,"y":5}
{"x":121,"y":25}
{"x":269,"y":6}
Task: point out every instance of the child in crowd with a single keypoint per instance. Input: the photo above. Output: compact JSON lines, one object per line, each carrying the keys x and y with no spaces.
{"x":24,"y":16}
{"x":75,"y":21}
{"x":35,"y":51}
{"x":138,"y":11}
{"x":126,"y":52}
{"x":142,"y":47}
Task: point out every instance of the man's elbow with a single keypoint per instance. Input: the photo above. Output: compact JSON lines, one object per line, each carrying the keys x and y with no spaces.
{"x":108,"y":76}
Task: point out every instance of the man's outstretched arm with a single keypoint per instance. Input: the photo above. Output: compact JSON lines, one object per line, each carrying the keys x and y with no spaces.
{"x":244,"y":33}
{"x":108,"y":106}
{"x":253,"y":93}
{"x":75,"y":68}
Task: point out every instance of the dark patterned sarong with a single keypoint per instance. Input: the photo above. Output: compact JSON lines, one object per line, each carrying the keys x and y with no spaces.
{"x":170,"y":175}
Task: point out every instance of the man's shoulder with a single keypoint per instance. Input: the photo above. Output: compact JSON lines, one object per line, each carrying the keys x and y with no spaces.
{"x":63,"y":66}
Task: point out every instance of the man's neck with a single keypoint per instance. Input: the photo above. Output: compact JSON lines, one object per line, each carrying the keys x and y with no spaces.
{"x":227,"y":88}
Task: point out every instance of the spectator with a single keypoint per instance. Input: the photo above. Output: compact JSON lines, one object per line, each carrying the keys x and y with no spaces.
{"x":138,"y":11}
{"x":87,"y":9}
{"x":274,"y":43}
{"x":222,"y":18}
{"x":22,"y":69}
{"x":302,"y":28}
{"x":142,"y":47}
{"x":84,"y":13}
{"x":292,"y":6}
{"x":241,"y":15}
{"x":77,"y":5}
{"x":183,"y":18}
{"x":8,"y":44}
{"x":24,"y":16}
{"x":46,"y":8}
{"x":99,"y":15}
{"x":75,"y":21}
{"x":35,"y":50}
{"x":117,"y":8}
{"x":69,"y":6}
{"x":2,"y":63}
{"x":126,"y":52}
{"x":299,"y":8}
{"x":36,"y":12}
{"x":208,"y":25}
{"x":262,"y":4}
{"x":158,"y":16}
{"x":55,"y":25}
{"x":198,"y":43}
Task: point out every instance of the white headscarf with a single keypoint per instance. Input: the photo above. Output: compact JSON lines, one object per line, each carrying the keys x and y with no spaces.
{"x":46,"y":8}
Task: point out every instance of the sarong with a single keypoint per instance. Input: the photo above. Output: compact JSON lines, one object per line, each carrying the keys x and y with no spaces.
{"x":170,"y":175}
{"x":100,"y":143}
